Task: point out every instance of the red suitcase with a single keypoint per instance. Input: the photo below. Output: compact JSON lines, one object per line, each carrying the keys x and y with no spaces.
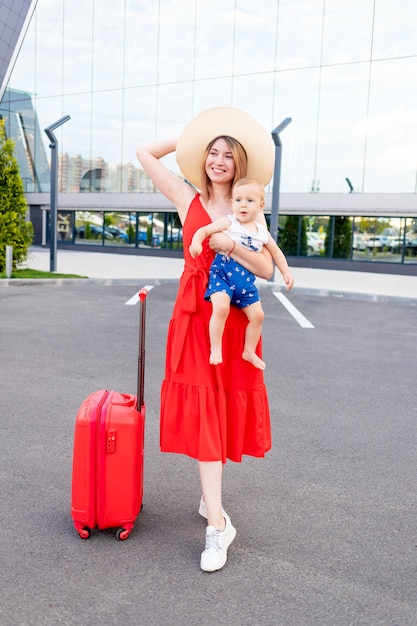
{"x":107,"y":470}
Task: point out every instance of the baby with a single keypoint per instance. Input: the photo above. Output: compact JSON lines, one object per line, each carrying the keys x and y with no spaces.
{"x":230,"y":282}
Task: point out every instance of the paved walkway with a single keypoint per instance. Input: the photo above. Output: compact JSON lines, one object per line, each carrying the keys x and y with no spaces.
{"x":130,"y":268}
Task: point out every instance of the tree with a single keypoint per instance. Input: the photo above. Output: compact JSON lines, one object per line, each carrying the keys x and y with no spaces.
{"x":15,"y":231}
{"x":289,"y":241}
{"x":342,"y":237}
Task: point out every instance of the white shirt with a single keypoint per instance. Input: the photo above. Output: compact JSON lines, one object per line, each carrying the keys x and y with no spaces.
{"x":253,"y":241}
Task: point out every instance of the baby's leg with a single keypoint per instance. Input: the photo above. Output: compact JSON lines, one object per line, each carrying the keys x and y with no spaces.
{"x":255,"y":314}
{"x":221,"y":307}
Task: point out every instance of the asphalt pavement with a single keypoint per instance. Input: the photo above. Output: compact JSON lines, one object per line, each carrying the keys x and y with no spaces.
{"x":326,"y":523}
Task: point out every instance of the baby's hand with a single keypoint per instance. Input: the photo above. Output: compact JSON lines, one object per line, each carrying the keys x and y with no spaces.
{"x":288,"y":280}
{"x":195,"y":249}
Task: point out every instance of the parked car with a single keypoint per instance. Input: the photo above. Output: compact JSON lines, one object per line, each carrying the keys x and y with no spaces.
{"x":378,"y":242}
{"x":411,"y":246}
{"x":398,"y":242}
{"x":96,"y":232}
{"x":314,"y":243}
{"x":359,"y":242}
{"x":118,"y":233}
{"x":143,"y":238}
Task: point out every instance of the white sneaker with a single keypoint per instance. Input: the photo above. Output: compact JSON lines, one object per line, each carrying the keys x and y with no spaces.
{"x":202,"y":509}
{"x":215,"y":555}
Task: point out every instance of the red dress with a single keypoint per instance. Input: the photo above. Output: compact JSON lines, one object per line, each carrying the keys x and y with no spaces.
{"x":209,"y":412}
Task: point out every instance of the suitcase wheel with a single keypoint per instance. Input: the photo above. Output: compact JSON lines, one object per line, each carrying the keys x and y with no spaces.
{"x":122,"y":534}
{"x":85,"y":532}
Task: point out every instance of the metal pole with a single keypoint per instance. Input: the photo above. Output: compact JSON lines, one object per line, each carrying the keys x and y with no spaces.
{"x":53,"y":208}
{"x":277,"y":180}
{"x":9,"y":261}
{"x":54,"y":190}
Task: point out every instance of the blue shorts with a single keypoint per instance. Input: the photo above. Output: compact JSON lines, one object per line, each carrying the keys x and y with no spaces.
{"x":228,"y":276}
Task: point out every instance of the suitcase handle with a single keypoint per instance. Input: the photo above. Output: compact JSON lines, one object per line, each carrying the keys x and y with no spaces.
{"x":141,"y":351}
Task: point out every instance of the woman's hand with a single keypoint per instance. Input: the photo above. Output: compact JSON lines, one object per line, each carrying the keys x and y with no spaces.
{"x":259,"y":263}
{"x":221,"y":243}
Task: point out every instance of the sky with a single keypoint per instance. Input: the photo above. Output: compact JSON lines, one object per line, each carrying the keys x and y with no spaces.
{"x":130,"y":71}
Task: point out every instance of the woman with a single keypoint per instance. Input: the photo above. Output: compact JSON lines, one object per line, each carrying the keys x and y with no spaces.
{"x":211,"y":412}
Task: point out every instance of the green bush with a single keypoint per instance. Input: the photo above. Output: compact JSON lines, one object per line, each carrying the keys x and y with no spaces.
{"x":131,"y":232}
{"x":15,"y":231}
{"x":342,"y":237}
{"x":149,"y":235}
{"x":289,"y":241}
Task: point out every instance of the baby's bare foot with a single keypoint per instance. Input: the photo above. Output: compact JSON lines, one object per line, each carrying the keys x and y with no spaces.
{"x":253,"y":358}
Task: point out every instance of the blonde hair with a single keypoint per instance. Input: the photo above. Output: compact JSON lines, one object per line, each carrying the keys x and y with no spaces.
{"x":239,"y":156}
{"x":250,"y":180}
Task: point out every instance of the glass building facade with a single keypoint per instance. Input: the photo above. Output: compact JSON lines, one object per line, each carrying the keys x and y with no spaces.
{"x":135,"y":70}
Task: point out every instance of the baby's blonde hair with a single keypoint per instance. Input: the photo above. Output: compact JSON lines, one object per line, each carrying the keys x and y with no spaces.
{"x":250,"y":180}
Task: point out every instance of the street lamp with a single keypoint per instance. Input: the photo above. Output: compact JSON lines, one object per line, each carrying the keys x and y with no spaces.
{"x":54,"y":189}
{"x":277,"y":180}
{"x":349,"y":185}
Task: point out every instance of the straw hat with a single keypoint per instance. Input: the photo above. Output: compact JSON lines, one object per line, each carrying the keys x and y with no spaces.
{"x":232,"y":122}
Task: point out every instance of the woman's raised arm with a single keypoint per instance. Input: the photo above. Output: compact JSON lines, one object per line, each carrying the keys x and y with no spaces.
{"x":174,"y":188}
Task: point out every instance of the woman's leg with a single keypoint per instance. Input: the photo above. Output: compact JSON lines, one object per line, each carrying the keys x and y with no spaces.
{"x":220,"y":302}
{"x":211,"y":484}
{"x":255,"y":314}
{"x":219,"y":532}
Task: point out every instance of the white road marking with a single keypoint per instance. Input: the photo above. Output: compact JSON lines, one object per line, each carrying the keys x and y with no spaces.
{"x":135,"y":299}
{"x":299,"y":317}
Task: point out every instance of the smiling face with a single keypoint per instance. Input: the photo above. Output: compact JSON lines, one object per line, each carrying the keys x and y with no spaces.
{"x":220,"y":164}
